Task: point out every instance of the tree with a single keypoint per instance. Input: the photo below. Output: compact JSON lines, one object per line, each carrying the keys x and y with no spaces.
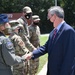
{"x":69,"y":9}
{"x":40,"y":7}
{"x":10,"y":6}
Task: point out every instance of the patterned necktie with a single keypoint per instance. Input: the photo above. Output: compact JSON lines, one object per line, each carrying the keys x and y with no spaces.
{"x":54,"y":33}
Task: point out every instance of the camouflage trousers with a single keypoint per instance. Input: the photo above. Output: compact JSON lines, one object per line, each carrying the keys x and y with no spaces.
{"x":30,"y":68}
{"x":33,"y":66}
{"x":19,"y":69}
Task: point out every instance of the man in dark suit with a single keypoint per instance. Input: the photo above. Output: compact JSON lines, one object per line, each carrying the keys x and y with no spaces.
{"x":60,"y":45}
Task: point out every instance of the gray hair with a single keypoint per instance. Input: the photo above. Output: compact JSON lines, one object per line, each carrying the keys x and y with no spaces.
{"x":56,"y":10}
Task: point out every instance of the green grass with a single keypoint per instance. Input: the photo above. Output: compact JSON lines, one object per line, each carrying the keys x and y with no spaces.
{"x":43,"y":40}
{"x":42,"y":59}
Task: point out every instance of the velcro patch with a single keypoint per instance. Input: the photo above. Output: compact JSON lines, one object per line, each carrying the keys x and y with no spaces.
{"x":9,"y":45}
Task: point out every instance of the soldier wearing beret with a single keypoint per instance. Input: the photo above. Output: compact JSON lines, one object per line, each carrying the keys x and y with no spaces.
{"x":7,"y":51}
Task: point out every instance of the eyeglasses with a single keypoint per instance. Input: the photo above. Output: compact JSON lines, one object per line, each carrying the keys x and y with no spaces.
{"x":49,"y":17}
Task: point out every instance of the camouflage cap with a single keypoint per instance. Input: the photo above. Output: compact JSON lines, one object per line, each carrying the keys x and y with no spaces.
{"x":27,"y":9}
{"x":3,"y":18}
{"x":15,"y":24}
{"x":18,"y":26}
{"x":35,"y":17}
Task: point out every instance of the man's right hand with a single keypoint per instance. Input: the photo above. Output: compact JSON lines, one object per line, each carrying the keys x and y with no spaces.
{"x":28,"y":56}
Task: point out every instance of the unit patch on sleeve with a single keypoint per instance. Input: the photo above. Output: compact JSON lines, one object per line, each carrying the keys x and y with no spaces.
{"x":9,"y":45}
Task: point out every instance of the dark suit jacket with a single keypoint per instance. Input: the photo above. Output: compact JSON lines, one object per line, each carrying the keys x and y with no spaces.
{"x":61,"y":52}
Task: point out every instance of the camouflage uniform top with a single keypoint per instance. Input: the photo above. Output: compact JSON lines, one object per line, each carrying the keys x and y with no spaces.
{"x":20,"y":48}
{"x":29,"y":46}
{"x":23,"y":21}
{"x":22,"y":35}
{"x":34,"y":31}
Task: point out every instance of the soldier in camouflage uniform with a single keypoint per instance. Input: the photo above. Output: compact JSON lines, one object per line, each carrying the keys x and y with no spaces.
{"x":34,"y":31}
{"x":20,"y":48}
{"x":24,"y":33}
{"x":30,"y":47}
{"x":27,"y":15}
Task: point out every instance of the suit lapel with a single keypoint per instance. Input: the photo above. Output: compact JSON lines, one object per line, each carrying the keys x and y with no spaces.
{"x":50,"y":37}
{"x":51,"y":44}
{"x":58,"y":34}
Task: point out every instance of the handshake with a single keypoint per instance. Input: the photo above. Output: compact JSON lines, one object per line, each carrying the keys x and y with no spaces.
{"x":27,"y":56}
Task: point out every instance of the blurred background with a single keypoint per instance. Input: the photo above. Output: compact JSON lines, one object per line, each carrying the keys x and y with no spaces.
{"x":13,"y":9}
